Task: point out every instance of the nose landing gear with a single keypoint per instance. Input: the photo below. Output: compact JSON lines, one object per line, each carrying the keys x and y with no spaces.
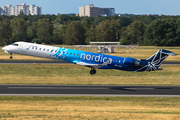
{"x":11,"y":56}
{"x":93,"y":71}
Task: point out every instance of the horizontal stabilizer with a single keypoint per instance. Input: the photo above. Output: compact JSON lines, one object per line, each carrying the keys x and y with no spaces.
{"x":168,"y":52}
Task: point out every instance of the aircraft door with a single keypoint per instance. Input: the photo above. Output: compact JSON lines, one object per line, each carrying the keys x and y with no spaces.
{"x":23,"y":47}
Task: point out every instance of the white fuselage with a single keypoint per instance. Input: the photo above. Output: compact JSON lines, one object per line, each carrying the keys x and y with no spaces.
{"x":31,"y":49}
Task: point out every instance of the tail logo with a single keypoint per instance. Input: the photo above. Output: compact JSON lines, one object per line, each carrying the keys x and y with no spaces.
{"x":154,"y":61}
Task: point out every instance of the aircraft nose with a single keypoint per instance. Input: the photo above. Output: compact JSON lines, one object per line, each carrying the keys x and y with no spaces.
{"x":6,"y":49}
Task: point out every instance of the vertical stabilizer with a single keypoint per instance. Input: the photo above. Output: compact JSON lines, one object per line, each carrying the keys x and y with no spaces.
{"x":159,"y":57}
{"x":155,"y":60}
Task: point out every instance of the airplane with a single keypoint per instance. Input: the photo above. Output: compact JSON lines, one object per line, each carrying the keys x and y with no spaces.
{"x":90,"y":59}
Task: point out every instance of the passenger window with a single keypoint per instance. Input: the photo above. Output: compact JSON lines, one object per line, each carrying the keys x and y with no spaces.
{"x":67,"y":52}
{"x":44,"y":49}
{"x":71,"y":53}
{"x":47,"y":49}
{"x":119,"y":61}
{"x":51,"y":50}
{"x":116,"y":60}
{"x":56,"y":51}
{"x":74,"y":53}
{"x":39,"y":48}
{"x":78,"y":54}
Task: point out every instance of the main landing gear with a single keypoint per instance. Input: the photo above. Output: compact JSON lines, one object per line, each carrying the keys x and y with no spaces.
{"x":11,"y":56}
{"x":93,"y":71}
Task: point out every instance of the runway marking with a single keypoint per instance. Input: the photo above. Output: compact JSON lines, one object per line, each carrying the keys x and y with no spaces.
{"x":139,"y":88}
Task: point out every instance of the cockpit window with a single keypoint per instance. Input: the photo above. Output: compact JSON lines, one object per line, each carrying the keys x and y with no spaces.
{"x":14,"y":44}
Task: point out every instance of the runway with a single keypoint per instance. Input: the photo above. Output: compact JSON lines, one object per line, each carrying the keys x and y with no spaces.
{"x":89,"y":90}
{"x":61,"y":62}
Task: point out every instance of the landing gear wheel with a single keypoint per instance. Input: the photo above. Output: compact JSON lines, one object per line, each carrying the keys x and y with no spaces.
{"x":93,"y":71}
{"x":11,"y":56}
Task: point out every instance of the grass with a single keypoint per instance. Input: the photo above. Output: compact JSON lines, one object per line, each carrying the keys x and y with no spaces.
{"x":80,"y":108}
{"x":74,"y":74}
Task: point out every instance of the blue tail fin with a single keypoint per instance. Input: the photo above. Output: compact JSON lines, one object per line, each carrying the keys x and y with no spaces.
{"x":155,"y":60}
{"x":159,"y":57}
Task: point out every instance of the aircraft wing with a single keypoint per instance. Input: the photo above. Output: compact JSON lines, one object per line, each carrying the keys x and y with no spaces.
{"x":96,"y":66}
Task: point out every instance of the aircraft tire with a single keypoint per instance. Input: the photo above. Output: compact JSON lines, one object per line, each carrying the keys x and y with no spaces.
{"x":92,"y":72}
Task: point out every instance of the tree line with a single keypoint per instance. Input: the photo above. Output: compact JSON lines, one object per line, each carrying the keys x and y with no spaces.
{"x":74,"y":30}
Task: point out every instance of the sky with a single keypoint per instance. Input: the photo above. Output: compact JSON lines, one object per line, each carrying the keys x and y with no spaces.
{"x":138,"y":7}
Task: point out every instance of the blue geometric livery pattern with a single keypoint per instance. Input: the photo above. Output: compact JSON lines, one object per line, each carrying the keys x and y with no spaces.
{"x":155,"y":61}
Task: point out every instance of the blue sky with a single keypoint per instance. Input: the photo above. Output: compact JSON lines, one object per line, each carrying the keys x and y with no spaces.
{"x":167,"y":7}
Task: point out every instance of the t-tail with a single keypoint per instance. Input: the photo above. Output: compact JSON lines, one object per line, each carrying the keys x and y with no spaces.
{"x":155,"y":60}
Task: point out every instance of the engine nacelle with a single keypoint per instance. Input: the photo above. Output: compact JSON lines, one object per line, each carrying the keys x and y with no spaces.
{"x":131,"y":61}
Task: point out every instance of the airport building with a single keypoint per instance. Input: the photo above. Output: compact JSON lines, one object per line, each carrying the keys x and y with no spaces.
{"x":26,"y":9}
{"x":91,"y":11}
